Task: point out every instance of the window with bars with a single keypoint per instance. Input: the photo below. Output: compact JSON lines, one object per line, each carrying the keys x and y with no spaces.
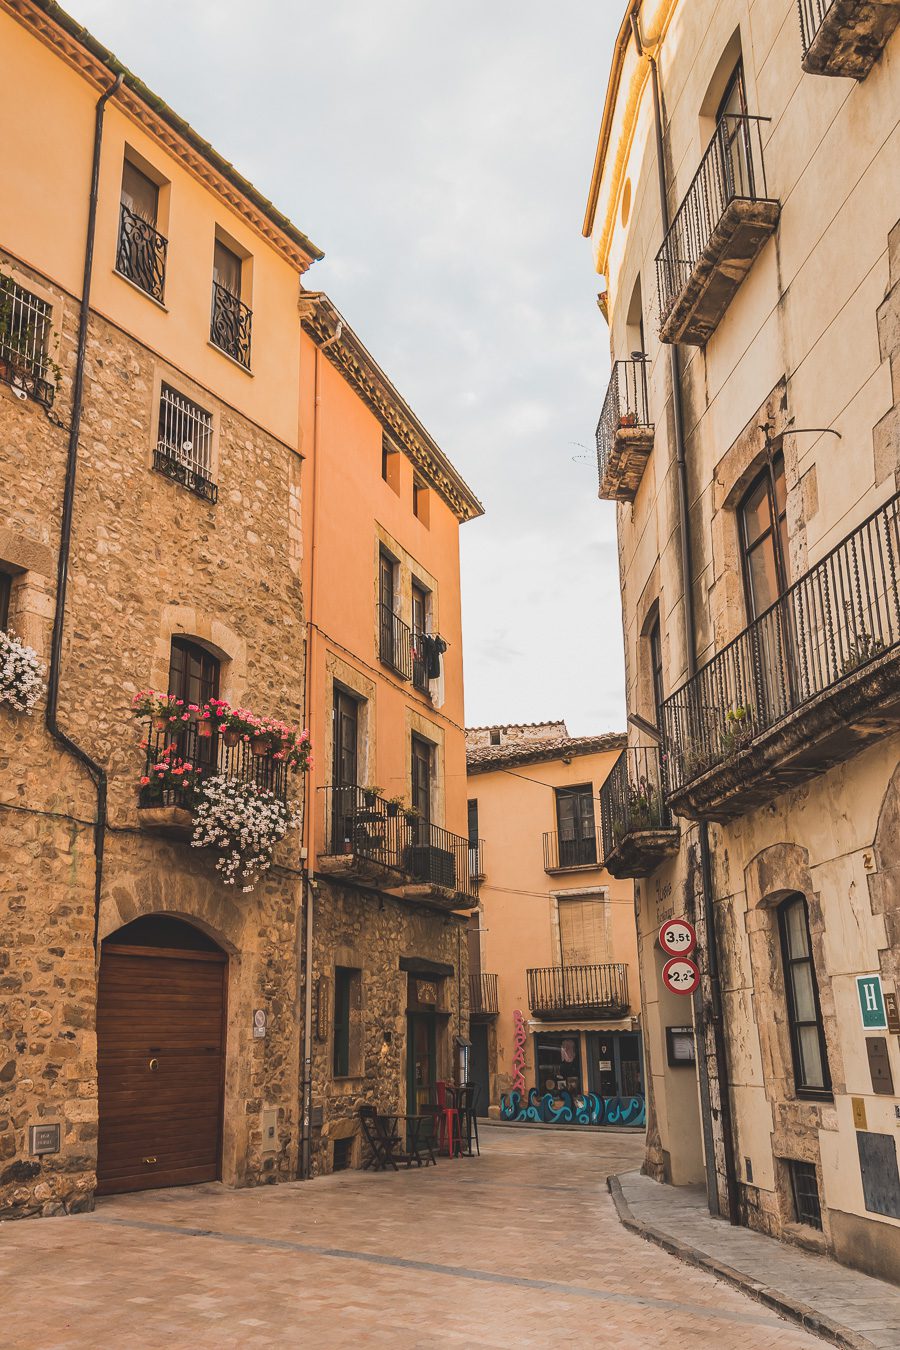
{"x":805,"y":1189}
{"x":184,"y":443}
{"x":24,"y":339}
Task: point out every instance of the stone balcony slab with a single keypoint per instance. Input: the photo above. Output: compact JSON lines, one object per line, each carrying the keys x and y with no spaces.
{"x":850,"y":36}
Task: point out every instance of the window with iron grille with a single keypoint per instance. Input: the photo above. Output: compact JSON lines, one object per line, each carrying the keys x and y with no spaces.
{"x":24,"y":338}
{"x":343,"y":1154}
{"x":141,"y":251}
{"x":805,"y":1188}
{"x":184,"y":443}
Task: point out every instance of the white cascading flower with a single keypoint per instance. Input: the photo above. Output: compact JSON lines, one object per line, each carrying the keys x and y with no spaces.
{"x":243,"y":822}
{"x":21,"y":673}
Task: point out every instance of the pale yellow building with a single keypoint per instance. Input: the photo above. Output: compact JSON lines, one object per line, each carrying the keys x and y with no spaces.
{"x":744,"y":211}
{"x":555,"y":996}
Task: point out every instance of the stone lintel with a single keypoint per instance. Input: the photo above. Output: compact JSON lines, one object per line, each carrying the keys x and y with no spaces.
{"x":851,"y":37}
{"x":723,"y":264}
{"x":625,"y":466}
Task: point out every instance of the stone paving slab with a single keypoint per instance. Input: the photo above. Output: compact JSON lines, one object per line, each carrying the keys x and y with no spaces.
{"x":840,"y":1305}
{"x":519,"y":1248}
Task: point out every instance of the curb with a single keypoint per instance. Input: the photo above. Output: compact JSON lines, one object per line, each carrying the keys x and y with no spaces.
{"x":799,"y":1313}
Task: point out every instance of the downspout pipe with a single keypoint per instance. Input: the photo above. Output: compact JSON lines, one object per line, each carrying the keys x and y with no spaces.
{"x":96,"y":771}
{"x":687,"y":586}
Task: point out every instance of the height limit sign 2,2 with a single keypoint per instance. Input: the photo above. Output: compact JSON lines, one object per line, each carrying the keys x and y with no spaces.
{"x":680,"y":974}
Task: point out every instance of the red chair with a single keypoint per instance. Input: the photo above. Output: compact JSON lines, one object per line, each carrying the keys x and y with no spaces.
{"x":448,"y":1119}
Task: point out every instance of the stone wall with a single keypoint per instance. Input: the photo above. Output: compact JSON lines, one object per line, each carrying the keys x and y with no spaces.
{"x":148,"y":559}
{"x":365,"y":931}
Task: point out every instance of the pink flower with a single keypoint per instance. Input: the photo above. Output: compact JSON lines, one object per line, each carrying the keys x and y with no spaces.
{"x":144,"y":781}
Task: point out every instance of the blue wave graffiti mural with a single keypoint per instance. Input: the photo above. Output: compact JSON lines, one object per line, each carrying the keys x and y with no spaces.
{"x":562,"y":1108}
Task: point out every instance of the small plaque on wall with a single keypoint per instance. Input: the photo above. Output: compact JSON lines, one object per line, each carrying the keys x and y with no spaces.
{"x":426,"y":991}
{"x":680,"y":1048}
{"x":44,"y":1139}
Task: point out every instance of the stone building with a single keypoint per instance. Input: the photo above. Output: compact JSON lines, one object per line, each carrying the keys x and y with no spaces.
{"x":555,"y":990}
{"x":158,"y":531}
{"x":744,"y":215}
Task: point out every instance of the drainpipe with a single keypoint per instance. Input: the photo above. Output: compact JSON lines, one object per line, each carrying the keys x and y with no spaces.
{"x":96,"y":771}
{"x":687,"y":586}
{"x":310,"y":886}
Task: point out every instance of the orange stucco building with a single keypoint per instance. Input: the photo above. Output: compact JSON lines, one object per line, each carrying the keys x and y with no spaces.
{"x":555,"y":996}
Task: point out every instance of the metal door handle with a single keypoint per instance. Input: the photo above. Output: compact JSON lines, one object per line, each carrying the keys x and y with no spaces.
{"x":148,"y":1160}
{"x":153,"y":1066}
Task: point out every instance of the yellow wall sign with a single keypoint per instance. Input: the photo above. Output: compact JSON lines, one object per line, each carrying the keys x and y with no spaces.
{"x":859,"y":1113}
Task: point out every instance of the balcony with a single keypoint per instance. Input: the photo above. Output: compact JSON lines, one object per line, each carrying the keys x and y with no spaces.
{"x":575,"y":853}
{"x":814,"y":680}
{"x":371,"y":843}
{"x":845,"y":37}
{"x":141,"y":254}
{"x":720,"y":227}
{"x":624,"y":432}
{"x":230,"y":325}
{"x":593,"y":991}
{"x":637,"y":825}
{"x":484,"y":999}
{"x":25,"y":322}
{"x":409,"y":654}
{"x":169,"y":810}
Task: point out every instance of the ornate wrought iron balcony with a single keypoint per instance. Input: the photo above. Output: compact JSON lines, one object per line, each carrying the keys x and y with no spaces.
{"x":845,"y":37}
{"x":230,"y":325}
{"x":564,"y":853}
{"x":141,"y":255}
{"x":24,"y":337}
{"x":368,"y":840}
{"x":638,"y":829}
{"x":624,"y":432}
{"x":561,"y":991}
{"x":811,"y":682}
{"x":484,"y":999}
{"x":168,"y":805}
{"x":718,"y":230}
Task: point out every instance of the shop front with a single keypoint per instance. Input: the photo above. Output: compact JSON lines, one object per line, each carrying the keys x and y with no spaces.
{"x":584,"y":1075}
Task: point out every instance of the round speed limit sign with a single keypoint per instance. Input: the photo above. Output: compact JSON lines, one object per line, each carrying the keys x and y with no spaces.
{"x":680,"y":975}
{"x":677,"y":937}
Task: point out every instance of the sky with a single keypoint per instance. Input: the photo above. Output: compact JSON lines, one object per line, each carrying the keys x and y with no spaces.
{"x":440,"y":155}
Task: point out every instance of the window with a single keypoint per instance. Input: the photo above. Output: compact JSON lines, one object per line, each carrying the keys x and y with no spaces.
{"x":583,"y":939}
{"x":141,"y":253}
{"x":495,"y":735}
{"x":230,"y":325}
{"x":390,"y":463}
{"x":388,"y":630}
{"x":184,"y":443}
{"x":764,"y":543}
{"x":25,"y":322}
{"x":421,"y":773}
{"x":194,"y":677}
{"x":654,"y":640}
{"x":734,"y":139}
{"x":421,"y":505}
{"x":342,"y":1157}
{"x":805,"y":1189}
{"x":473,"y":823}
{"x":634,"y":322}
{"x":575,"y":823}
{"x":811,"y":1074}
{"x":558,"y":1064}
{"x":345,"y":982}
{"x":344,"y":769}
{"x":5,"y":594}
{"x":419,"y":626}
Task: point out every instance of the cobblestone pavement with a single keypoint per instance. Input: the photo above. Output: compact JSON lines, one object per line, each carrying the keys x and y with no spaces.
{"x":521,"y":1247}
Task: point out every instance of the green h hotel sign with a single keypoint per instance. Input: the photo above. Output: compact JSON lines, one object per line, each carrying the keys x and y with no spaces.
{"x":871,"y":1002}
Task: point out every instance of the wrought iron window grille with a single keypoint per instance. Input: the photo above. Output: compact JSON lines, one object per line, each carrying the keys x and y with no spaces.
{"x":805,"y":1187}
{"x":230,"y":325}
{"x":24,"y":339}
{"x":141,"y":254}
{"x":184,"y":444}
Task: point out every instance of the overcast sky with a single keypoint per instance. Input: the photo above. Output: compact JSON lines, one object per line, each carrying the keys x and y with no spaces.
{"x":440,"y":155}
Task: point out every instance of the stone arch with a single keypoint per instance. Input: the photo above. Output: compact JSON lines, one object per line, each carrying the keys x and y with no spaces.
{"x":884,"y":881}
{"x":209,"y":631}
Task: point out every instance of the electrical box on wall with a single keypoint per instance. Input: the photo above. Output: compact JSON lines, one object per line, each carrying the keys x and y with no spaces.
{"x":270,"y":1129}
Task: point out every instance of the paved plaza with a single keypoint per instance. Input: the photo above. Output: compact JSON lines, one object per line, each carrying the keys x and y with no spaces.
{"x":521,"y":1247}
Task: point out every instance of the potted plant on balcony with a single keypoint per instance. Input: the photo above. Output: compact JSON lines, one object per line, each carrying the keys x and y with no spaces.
{"x":170,"y":772}
{"x":392,"y":805}
{"x":235,"y":725}
{"x":643,"y":805}
{"x":371,"y":793}
{"x":863,"y":648}
{"x":21,"y":673}
{"x":209,"y":717}
{"x":628,"y":419}
{"x":160,"y":709}
{"x":243,"y":823}
{"x":738,"y":728}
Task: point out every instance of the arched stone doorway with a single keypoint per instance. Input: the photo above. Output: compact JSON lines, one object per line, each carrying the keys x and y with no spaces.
{"x":160,"y":1055}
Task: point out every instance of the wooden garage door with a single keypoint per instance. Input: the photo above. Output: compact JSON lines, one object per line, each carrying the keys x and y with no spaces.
{"x":161,"y":1052}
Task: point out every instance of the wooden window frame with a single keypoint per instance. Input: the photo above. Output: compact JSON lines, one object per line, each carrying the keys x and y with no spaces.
{"x":815,"y":1092}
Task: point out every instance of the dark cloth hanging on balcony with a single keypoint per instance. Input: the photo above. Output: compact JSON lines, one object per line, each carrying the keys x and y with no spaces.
{"x":433,"y":648}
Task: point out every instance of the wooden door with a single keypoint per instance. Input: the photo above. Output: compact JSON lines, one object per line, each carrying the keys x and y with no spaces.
{"x":161,"y":1061}
{"x":344,"y":769}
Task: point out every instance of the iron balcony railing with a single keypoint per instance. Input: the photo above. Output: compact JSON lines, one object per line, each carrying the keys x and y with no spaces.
{"x":632,"y":798}
{"x":208,"y":757}
{"x":569,"y":989}
{"x":731,"y":169}
{"x":141,"y":254}
{"x":812,"y":12}
{"x":476,"y":859}
{"x":184,"y":446}
{"x":484,"y":998}
{"x":364,"y":824}
{"x":24,"y":338}
{"x":394,"y":642}
{"x":419,"y":662}
{"x":230,"y":324}
{"x":578,"y":849}
{"x":626,"y":405}
{"x":840,"y":615}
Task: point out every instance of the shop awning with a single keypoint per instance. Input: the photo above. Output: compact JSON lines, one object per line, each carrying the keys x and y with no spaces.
{"x":616,"y":1024}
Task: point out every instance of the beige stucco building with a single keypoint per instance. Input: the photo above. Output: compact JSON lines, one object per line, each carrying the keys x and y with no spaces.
{"x":555,"y":995}
{"x":743,"y":212}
